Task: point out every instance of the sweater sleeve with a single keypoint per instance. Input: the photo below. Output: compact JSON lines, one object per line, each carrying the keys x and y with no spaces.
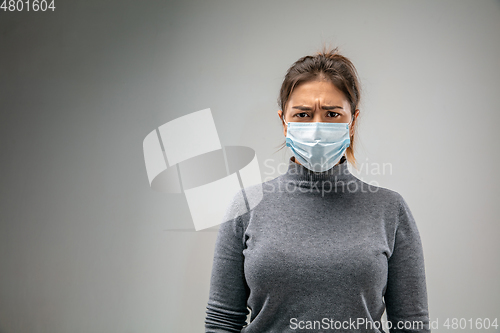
{"x":406,"y":294}
{"x":227,"y":303}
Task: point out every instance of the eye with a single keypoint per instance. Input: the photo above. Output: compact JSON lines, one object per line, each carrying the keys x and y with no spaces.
{"x":301,"y":115}
{"x":333,"y":114}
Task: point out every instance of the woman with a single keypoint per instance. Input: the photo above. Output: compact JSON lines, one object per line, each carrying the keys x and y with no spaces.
{"x":323,"y":251}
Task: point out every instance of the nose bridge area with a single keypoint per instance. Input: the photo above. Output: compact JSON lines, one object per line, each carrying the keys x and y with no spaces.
{"x":317,"y":109}
{"x":316,"y":135}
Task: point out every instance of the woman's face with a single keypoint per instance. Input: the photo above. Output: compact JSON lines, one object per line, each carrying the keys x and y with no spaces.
{"x":317,"y":101}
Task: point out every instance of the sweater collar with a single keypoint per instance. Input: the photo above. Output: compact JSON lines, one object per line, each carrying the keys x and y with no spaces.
{"x":303,"y":177}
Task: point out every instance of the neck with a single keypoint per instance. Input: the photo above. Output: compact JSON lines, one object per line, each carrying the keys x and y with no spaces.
{"x":303,"y":177}
{"x":342,"y":160}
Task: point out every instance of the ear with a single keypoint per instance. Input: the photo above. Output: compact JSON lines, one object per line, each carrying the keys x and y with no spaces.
{"x":353,"y":124}
{"x":280,"y":114}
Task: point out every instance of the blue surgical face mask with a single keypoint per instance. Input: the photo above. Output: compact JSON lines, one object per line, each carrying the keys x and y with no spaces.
{"x":317,"y":146}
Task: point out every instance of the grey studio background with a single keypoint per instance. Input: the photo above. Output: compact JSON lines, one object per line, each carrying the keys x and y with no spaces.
{"x":83,"y":239}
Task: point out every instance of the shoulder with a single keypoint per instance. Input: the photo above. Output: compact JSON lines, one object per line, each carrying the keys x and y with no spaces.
{"x":242,"y":202}
{"x":381,"y":194}
{"x":236,"y":207}
{"x":396,"y":199}
{"x":248,"y":197}
{"x":393,"y":205}
{"x":232,"y":223}
{"x":397,"y":205}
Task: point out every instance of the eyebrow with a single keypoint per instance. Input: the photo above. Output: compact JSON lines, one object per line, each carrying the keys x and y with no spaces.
{"x":324,"y":107}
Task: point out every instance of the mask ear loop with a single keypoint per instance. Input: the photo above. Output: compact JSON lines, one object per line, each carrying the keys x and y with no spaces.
{"x":352,"y":119}
{"x":348,"y":127}
{"x":283,"y":117}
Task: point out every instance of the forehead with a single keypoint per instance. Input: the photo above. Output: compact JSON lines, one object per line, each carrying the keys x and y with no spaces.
{"x":324,"y":91}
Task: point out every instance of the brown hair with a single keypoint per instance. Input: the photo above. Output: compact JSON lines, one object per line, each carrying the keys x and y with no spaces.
{"x":326,"y":65}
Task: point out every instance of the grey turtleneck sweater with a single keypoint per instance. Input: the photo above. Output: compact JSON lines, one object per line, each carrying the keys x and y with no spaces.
{"x":322,"y":252}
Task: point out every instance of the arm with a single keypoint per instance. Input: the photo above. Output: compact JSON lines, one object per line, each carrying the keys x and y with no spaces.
{"x":406,"y":293}
{"x":227,"y":304}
